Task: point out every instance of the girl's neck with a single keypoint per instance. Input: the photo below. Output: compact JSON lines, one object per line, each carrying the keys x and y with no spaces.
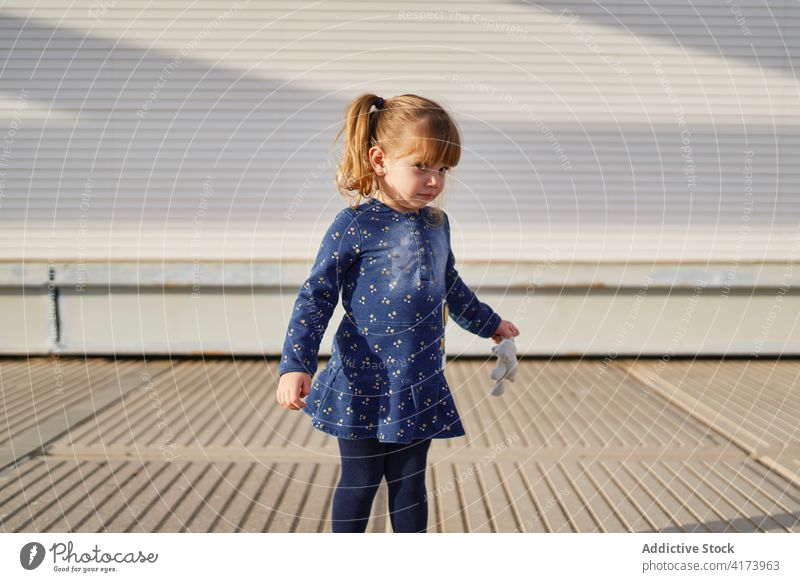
{"x":381,"y":197}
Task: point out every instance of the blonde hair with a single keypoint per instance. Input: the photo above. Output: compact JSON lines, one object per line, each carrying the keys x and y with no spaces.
{"x":405,"y":124}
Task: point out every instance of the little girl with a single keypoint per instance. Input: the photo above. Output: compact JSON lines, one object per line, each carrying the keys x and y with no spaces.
{"x":383,"y":392}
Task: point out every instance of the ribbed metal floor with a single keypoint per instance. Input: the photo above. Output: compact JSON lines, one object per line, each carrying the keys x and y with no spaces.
{"x":573,"y":446}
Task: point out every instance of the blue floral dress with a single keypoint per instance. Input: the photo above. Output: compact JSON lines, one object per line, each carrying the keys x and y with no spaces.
{"x":398,"y":282}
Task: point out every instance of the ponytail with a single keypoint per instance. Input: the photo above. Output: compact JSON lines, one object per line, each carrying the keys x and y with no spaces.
{"x":355,"y":173}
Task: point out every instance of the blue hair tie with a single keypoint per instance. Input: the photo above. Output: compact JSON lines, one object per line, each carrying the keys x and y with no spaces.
{"x":380,"y":102}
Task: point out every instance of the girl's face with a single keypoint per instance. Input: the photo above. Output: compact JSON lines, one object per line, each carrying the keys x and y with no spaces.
{"x":409,"y":183}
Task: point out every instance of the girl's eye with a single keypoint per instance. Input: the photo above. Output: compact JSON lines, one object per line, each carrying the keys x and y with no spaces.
{"x":421,"y":166}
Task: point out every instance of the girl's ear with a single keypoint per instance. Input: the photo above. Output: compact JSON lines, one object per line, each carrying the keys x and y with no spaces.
{"x":377,"y":160}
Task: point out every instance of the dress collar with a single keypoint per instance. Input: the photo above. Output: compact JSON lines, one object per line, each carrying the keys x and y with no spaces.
{"x":374,"y":205}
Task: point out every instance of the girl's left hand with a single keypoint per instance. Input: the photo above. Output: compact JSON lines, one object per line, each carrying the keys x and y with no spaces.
{"x":504,"y":330}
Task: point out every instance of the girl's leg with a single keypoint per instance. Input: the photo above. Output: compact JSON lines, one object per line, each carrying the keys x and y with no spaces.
{"x":362,"y":471}
{"x":405,"y":475}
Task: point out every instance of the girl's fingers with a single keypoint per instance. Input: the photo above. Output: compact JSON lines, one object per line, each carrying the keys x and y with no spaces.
{"x":294,"y":404}
{"x":283,"y":402}
{"x":288,"y":400}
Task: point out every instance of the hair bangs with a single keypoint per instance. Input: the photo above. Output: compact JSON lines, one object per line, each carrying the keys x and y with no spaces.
{"x":433,"y":139}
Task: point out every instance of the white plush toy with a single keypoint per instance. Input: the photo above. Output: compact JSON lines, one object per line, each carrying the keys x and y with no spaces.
{"x":506,"y":369}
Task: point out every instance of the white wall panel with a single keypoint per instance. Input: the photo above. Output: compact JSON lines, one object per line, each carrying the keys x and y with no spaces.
{"x":138,"y":130}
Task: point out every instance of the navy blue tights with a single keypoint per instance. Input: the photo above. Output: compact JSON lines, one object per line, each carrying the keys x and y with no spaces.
{"x":364,"y":463}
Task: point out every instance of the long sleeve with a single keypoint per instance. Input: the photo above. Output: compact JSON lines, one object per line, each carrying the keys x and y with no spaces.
{"x":462,"y":303}
{"x":319,"y":295}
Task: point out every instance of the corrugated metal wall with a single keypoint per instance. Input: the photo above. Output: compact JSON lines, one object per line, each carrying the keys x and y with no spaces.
{"x":614,"y":132}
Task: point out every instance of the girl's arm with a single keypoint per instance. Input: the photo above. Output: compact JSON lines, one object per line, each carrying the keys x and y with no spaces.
{"x":462,"y":303}
{"x":318,"y":296}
